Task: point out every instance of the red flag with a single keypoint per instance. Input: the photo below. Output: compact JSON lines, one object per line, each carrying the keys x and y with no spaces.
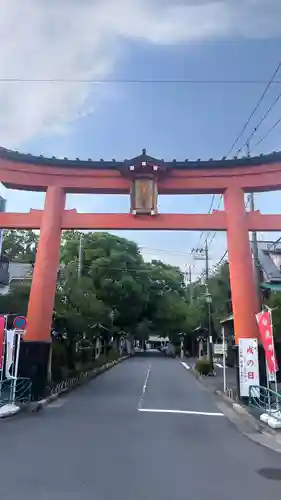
{"x":266,"y":335}
{"x":2,"y":338}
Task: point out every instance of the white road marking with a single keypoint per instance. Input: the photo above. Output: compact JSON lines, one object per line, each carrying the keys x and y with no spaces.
{"x":186,"y":366}
{"x":184,"y":412}
{"x":144,"y":387}
{"x":219,"y":365}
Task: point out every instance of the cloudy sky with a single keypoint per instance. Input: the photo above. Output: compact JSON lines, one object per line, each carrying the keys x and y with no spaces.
{"x":109,"y":43}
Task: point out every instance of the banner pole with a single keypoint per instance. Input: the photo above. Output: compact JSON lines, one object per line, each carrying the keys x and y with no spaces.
{"x":275,"y":373}
{"x":3,"y":353}
{"x":224,"y":361}
{"x":18,"y":336}
{"x":268,"y":387}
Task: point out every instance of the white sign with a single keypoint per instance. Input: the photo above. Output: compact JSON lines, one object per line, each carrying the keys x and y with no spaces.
{"x":220,"y":349}
{"x":248,"y":365}
{"x":10,"y":352}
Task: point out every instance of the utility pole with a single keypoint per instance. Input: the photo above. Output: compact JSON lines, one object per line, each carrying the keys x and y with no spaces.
{"x":190,"y":286}
{"x":255,"y":241}
{"x":188,"y":282}
{"x":203,"y":254}
{"x":207,"y":261}
{"x":2,"y":209}
{"x":81,"y":256}
{"x":209,"y":306}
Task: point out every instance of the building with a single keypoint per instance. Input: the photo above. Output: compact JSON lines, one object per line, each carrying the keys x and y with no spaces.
{"x":14,"y":274}
{"x":269,"y":262}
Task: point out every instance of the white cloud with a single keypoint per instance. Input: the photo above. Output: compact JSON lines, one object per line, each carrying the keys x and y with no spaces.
{"x":80,"y":39}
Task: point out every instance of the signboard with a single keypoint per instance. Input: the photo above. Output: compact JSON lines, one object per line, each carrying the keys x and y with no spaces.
{"x":248,"y":365}
{"x":220,"y":349}
{"x":20,"y":323}
{"x":10,"y":352}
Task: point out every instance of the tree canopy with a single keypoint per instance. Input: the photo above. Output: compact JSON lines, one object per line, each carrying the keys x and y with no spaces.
{"x":20,"y":245}
{"x":135,"y":292}
{"x":120,"y":291}
{"x":117,"y":288}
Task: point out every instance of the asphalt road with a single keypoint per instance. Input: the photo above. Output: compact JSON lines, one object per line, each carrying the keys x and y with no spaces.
{"x":96,"y":444}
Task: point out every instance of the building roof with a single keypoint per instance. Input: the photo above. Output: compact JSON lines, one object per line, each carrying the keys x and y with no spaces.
{"x":17,"y":271}
{"x":227,"y":320}
{"x":274,"y":287}
{"x":20,"y":270}
{"x":15,"y":156}
{"x":267,"y":253}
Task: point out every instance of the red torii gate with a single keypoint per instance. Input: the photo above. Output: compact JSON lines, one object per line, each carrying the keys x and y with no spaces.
{"x":142,"y":177}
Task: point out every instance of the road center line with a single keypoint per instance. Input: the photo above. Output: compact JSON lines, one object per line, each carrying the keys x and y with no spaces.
{"x":184,"y":412}
{"x":144,"y":387}
{"x":186,"y":366}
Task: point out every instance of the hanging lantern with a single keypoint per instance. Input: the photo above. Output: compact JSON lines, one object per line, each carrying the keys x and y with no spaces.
{"x":144,"y":193}
{"x":144,"y":174}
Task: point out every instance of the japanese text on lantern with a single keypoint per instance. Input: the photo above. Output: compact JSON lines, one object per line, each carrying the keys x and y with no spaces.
{"x":248,"y":365}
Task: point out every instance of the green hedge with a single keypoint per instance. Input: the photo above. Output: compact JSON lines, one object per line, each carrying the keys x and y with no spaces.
{"x":83,"y":364}
{"x":203,"y":366}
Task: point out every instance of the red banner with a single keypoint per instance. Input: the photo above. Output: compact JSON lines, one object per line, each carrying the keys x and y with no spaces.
{"x":2,"y":339}
{"x":266,"y":335}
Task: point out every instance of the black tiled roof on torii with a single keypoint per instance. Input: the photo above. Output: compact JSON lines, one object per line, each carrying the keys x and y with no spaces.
{"x":15,"y":156}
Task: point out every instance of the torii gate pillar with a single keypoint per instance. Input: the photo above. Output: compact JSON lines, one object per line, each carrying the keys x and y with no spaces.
{"x":36,"y":346}
{"x":242,"y":281}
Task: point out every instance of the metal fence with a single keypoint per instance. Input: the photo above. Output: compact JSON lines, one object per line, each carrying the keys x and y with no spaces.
{"x":15,"y":390}
{"x":265,"y":400}
{"x":64,"y":385}
{"x":70,"y":382}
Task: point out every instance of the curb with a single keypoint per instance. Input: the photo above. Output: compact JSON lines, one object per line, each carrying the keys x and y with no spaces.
{"x":242,"y":412}
{"x":39,"y":405}
{"x":239,"y":409}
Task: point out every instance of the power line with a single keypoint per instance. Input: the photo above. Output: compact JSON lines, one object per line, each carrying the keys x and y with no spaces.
{"x":209,"y":211}
{"x":255,"y":109}
{"x":145,"y":249}
{"x":215,"y":233}
{"x":132,"y":80}
{"x":245,"y":126}
{"x":212,"y":239}
{"x":268,"y":133}
{"x":221,"y":260}
{"x":274,"y":243}
{"x":259,"y":124}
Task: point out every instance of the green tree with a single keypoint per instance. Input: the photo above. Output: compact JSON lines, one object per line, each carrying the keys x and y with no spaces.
{"x":167,"y":306}
{"x":219,"y":288}
{"x":77,"y":310}
{"x":114,"y":265}
{"x":274,"y":302}
{"x":15,"y":302}
{"x":20,"y":245}
{"x":143,"y":330}
{"x":145,"y":297}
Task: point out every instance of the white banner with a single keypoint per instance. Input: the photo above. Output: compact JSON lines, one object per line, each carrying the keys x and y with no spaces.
{"x":248,"y":365}
{"x":10,"y":351}
{"x":1,"y":240}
